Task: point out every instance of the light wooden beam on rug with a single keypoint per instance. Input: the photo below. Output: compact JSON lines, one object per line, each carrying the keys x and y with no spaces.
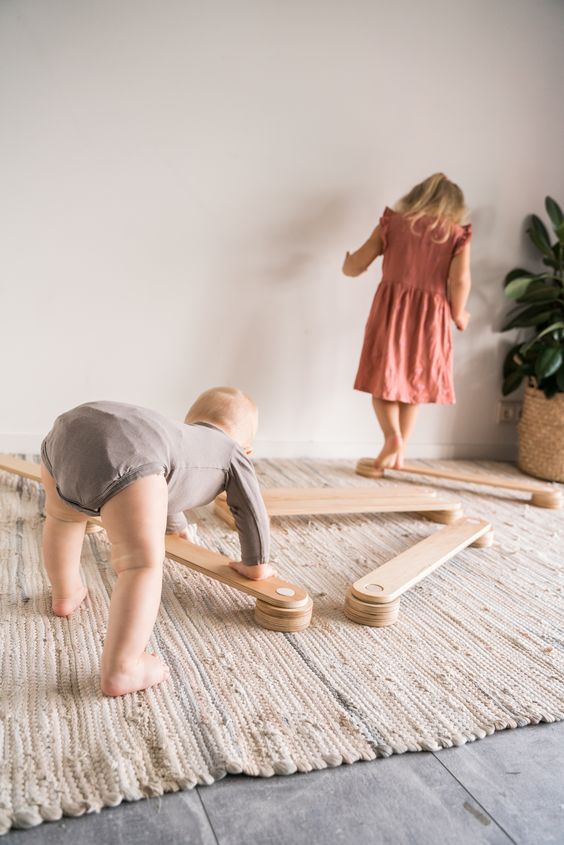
{"x":281,"y":606}
{"x":542,"y":495}
{"x":318,"y":501}
{"x":374,"y":599}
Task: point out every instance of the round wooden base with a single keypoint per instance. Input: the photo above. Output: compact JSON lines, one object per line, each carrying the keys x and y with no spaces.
{"x":289,"y":620}
{"x":443,"y":517}
{"x":547,"y":499}
{"x":484,"y":541}
{"x":366,"y":468}
{"x":370,"y":613}
{"x":93,"y":528}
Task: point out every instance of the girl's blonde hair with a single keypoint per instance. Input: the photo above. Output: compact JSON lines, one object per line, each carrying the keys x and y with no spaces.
{"x":435,"y":197}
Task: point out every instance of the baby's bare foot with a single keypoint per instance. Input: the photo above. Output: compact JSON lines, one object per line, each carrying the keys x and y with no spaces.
{"x":65,"y":605}
{"x":146,"y":672}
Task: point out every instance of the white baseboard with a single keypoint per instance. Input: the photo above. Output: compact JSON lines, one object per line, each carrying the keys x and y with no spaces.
{"x":30,"y":443}
{"x":317,"y":449}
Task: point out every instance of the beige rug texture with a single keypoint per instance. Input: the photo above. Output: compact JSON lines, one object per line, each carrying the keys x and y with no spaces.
{"x":478,"y":648}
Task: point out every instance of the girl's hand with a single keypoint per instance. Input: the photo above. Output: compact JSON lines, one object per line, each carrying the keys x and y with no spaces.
{"x":462,"y":321}
{"x":185,"y":535}
{"x":254,"y":573}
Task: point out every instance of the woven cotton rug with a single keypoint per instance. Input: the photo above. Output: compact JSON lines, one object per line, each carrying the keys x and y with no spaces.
{"x":478,"y":648}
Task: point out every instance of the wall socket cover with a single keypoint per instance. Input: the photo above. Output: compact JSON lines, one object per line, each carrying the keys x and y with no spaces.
{"x":508,"y":411}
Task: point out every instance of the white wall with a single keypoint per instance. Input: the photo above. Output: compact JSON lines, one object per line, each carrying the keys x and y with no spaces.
{"x":179,"y":182}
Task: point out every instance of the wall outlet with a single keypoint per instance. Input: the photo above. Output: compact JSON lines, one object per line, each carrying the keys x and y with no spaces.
{"x":508,"y":411}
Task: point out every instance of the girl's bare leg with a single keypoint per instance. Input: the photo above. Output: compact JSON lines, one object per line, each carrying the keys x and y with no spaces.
{"x":407,"y":417}
{"x":387,"y":414}
{"x":135,"y":520}
{"x":63,"y":535}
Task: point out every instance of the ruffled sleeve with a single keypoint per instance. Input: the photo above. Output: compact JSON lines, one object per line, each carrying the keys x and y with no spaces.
{"x":464,"y":237}
{"x":384,"y":223}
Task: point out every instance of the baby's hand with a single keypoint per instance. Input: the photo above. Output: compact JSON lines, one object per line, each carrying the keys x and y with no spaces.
{"x":462,"y":322}
{"x":255,"y":573}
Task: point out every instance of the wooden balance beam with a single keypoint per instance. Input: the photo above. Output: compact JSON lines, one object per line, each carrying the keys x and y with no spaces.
{"x":280,"y":605}
{"x":317,"y":501}
{"x":375,"y":599}
{"x":542,"y":496}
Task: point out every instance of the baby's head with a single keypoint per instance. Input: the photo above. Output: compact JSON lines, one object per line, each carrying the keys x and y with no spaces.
{"x":231,"y":410}
{"x":437,"y":197}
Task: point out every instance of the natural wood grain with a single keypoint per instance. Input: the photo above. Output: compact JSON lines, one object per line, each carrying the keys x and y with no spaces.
{"x":408,"y":568}
{"x":206,"y":562}
{"x":542,"y":496}
{"x":313,"y":501}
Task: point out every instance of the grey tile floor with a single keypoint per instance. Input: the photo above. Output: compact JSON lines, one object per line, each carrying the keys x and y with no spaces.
{"x":508,"y":788}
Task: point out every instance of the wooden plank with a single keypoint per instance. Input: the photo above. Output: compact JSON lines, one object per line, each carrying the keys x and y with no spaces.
{"x":273,"y":591}
{"x":27,"y":469}
{"x":542,"y":495}
{"x":393,"y":578}
{"x":304,"y":501}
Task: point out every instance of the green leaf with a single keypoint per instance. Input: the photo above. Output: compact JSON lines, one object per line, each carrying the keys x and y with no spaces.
{"x":515,"y":274}
{"x":512,"y":382}
{"x":548,"y":362}
{"x":517,"y":286}
{"x":554,"y":212}
{"x":560,"y":233}
{"x":545,"y":293}
{"x":538,"y":233}
{"x":509,"y":362}
{"x":560,"y":379}
{"x":552,"y":328}
{"x":534,"y":315}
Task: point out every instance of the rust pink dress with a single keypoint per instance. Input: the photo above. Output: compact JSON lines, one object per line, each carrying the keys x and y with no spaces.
{"x":407,"y":351}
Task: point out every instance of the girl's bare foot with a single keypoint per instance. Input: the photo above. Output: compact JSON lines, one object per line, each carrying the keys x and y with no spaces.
{"x":399,"y":460}
{"x":254,"y":573}
{"x":392,"y":448}
{"x":65,"y":605}
{"x":145,"y":672}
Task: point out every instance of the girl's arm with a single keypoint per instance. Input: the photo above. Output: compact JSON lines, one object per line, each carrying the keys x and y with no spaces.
{"x":459,"y":284}
{"x":359,"y":261}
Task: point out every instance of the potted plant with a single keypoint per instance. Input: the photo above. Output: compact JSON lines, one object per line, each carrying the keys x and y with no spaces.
{"x":539,"y":359}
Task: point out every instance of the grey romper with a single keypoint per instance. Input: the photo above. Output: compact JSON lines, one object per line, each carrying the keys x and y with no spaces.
{"x":99,"y":448}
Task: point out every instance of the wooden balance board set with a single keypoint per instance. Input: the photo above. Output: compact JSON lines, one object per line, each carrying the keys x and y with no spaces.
{"x":374,"y":599}
{"x":280,"y":606}
{"x":541,"y":495}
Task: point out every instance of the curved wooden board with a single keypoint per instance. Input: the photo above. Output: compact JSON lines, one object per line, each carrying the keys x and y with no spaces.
{"x":194,"y":557}
{"x":393,"y":578}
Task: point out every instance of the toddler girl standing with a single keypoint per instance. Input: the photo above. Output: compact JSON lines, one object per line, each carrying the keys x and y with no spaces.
{"x":407,"y":353}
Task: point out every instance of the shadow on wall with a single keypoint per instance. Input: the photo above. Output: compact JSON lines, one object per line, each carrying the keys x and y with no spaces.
{"x":281,"y":349}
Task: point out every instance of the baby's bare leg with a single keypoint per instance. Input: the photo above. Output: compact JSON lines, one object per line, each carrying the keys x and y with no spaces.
{"x":135,"y":521}
{"x":63,"y":535}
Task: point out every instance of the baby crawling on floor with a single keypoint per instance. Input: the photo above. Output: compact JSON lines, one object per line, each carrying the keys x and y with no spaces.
{"x":139,"y":471}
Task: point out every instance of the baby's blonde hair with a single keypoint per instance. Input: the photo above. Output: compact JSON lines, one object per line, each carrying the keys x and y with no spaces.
{"x":227,"y":408}
{"x":436,"y":197}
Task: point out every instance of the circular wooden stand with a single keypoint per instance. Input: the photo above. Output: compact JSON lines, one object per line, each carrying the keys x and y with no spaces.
{"x":443,"y":517}
{"x":547,"y":499}
{"x":374,"y":614}
{"x":366,"y":468}
{"x":289,"y":620}
{"x":485,"y":541}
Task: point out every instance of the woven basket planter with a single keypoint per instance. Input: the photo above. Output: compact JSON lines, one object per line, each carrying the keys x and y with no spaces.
{"x":541,"y":435}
